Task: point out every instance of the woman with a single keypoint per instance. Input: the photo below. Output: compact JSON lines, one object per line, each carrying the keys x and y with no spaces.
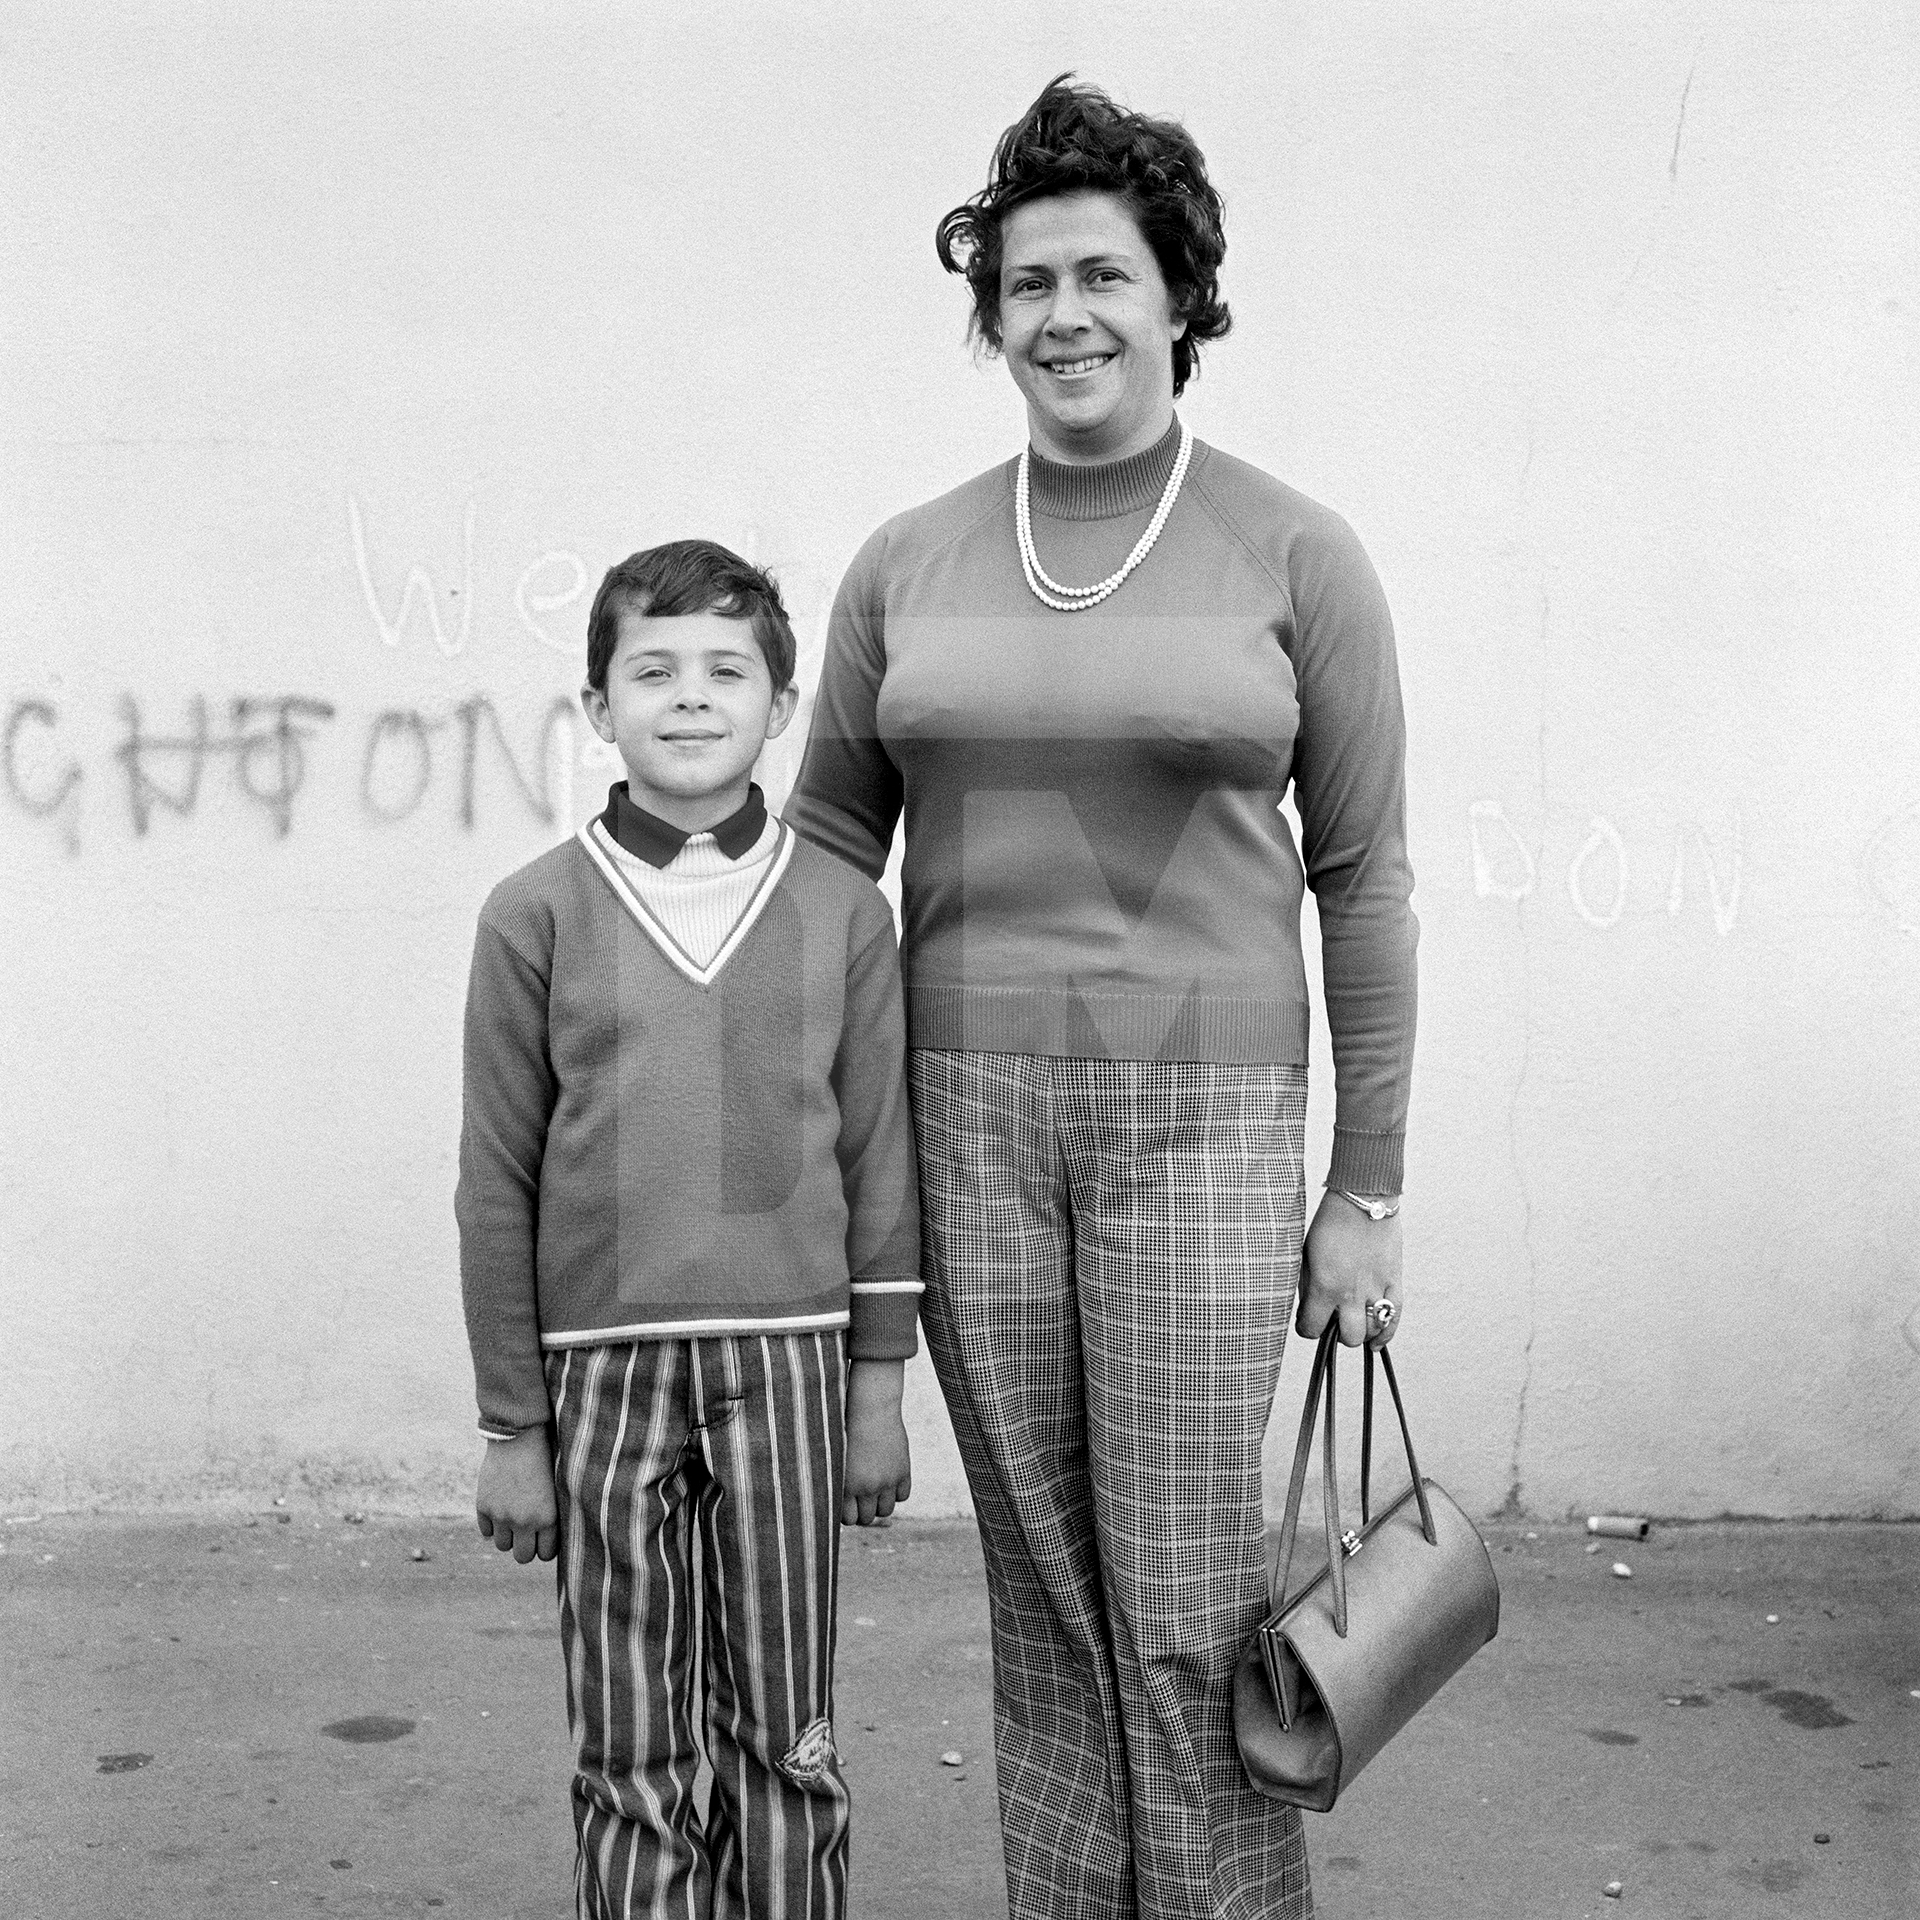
{"x":1107,"y":1002}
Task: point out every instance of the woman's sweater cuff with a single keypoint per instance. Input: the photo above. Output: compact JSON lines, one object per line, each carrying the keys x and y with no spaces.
{"x":1367,"y":1162}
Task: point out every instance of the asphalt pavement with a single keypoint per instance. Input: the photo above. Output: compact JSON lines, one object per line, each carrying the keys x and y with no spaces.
{"x":289,"y":1711}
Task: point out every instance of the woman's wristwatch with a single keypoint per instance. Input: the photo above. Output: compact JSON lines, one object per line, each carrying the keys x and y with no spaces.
{"x":1371,"y":1204}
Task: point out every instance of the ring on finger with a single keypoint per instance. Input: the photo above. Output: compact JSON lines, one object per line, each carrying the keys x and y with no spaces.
{"x":1382,"y":1314}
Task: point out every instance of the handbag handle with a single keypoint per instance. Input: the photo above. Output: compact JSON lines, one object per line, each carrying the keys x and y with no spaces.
{"x":1322,"y":1376}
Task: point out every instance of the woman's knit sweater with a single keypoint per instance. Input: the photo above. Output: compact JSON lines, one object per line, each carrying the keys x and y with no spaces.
{"x":1095,"y":865}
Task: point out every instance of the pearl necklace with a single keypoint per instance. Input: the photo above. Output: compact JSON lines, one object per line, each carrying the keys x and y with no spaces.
{"x":1079,"y":599}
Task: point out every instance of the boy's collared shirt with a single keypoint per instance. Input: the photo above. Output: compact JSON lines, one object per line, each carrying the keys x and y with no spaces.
{"x":658,"y":842}
{"x":697,"y":884}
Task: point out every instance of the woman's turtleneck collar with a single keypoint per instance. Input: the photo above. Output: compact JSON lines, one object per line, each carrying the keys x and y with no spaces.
{"x":1067,"y":492}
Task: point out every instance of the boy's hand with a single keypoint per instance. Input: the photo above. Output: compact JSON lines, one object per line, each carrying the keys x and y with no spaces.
{"x":878,"y":1469}
{"x":515,"y":1502}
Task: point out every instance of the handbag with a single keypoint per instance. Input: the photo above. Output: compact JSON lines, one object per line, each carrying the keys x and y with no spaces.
{"x":1337,"y":1669}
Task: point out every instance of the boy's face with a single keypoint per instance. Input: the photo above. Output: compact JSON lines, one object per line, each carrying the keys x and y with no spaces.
{"x":689,"y":702}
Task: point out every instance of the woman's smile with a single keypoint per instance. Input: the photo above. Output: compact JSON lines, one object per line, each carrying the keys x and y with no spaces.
{"x":1076,"y":369}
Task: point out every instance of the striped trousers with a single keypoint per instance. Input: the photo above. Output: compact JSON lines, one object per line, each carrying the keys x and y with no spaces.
{"x":1112,"y":1249}
{"x":699,"y":1494}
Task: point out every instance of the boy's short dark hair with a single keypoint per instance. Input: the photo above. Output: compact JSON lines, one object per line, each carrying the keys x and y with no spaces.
{"x":690,"y":576}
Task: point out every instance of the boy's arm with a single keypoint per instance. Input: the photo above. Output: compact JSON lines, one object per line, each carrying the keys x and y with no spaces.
{"x":508,"y":1097}
{"x":882,"y":1183}
{"x":879,"y":1471}
{"x":878,"y":1172}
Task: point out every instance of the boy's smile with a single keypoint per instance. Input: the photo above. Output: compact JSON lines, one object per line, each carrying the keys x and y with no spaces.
{"x":689,"y":702}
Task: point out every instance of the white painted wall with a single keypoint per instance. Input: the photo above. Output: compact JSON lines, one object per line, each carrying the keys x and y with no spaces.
{"x":345,"y":346}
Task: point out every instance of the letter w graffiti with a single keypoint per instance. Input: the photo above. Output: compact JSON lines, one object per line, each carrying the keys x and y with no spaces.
{"x":419,"y":584}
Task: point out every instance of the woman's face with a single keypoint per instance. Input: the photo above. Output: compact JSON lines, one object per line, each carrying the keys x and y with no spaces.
{"x":1087,"y":326}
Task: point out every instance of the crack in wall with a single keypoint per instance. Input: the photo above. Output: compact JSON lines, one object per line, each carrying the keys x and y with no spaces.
{"x":1657,"y":222}
{"x":1680,"y":125}
{"x":1514,"y":1507}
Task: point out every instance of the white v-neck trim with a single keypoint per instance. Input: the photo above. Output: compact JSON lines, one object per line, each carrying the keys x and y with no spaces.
{"x":593,"y":836}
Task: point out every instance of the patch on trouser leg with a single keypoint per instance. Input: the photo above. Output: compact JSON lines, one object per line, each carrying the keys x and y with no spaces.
{"x":809,"y":1760}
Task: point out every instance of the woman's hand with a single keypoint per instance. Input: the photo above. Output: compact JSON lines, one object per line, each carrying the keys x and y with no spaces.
{"x":1350,"y":1263}
{"x":878,"y":1469}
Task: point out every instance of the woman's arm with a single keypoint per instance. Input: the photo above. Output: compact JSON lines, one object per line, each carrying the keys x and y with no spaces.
{"x":1350,"y":786}
{"x":848,"y":796}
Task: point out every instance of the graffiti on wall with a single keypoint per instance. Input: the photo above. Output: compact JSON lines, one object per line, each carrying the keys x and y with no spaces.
{"x":551,"y":583}
{"x":266,"y":744}
{"x":544,"y":587}
{"x":1693,"y":864}
{"x":1673,"y":870}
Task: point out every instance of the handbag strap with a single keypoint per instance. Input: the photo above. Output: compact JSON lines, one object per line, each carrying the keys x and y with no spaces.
{"x":1406,"y":1436}
{"x":1297,"y":1483}
{"x":1322,"y":1377}
{"x":1366,"y":1441}
{"x":1330,"y":1509}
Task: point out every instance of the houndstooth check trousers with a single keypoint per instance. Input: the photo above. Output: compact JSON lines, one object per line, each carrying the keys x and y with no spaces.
{"x":1112,"y":1252}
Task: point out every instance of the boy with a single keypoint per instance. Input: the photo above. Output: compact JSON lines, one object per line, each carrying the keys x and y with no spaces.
{"x":689,"y":1252}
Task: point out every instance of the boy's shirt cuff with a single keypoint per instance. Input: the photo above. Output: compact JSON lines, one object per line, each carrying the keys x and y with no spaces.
{"x":883,"y":1319}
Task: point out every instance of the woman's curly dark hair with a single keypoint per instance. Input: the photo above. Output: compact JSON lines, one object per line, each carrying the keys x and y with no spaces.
{"x":1074,"y":139}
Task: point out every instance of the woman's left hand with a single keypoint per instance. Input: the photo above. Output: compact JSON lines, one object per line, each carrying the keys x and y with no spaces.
{"x":1350,"y":1263}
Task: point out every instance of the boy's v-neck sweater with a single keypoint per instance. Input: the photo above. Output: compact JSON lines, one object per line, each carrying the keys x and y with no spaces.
{"x":659,"y":1147}
{"x":1095,"y":865}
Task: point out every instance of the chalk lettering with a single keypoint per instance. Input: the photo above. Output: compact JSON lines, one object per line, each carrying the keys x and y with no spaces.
{"x":144,"y":792}
{"x":1502,"y":870}
{"x":395,"y":725}
{"x":274,"y":753}
{"x":1604,"y":835}
{"x":419,"y":582}
{"x":556,"y":757}
{"x":526,"y":602}
{"x":46,"y":800}
{"x":269,"y":740}
{"x":1725,"y":904}
{"x":1726,"y":907}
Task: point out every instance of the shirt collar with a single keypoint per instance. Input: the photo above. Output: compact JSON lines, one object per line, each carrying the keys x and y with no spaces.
{"x":646,"y":836}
